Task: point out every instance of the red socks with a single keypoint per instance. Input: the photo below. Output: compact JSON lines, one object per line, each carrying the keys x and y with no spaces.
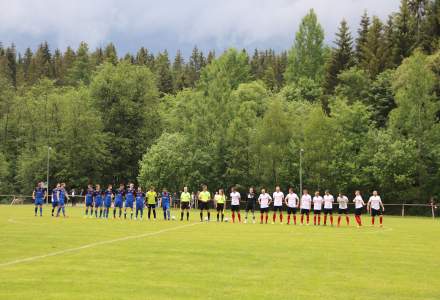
{"x":314,"y":220}
{"x":372,"y":220}
{"x":347,"y":218}
{"x":319,"y":219}
{"x":288,"y":219}
{"x":233,"y":217}
{"x":325,"y":220}
{"x":302,"y":219}
{"x":294,"y":219}
{"x":281,"y":217}
{"x":380,"y":220}
{"x":339,"y":220}
{"x":331,"y":219}
{"x":239,"y":217}
{"x":267,"y":217}
{"x":261,"y":218}
{"x":307,"y":219}
{"x":274,"y":217}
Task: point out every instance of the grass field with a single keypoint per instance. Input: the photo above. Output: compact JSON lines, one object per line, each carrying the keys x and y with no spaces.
{"x":76,"y":258}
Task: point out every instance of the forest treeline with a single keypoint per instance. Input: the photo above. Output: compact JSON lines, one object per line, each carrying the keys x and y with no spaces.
{"x":365,"y":110}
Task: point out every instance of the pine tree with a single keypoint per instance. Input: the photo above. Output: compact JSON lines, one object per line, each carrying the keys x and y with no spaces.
{"x":142,"y":57}
{"x":69,"y":58}
{"x":27,"y":60}
{"x":404,"y":37}
{"x":97,"y":57}
{"x":81,"y":69}
{"x":361,"y":40}
{"x":374,"y":60}
{"x":110,"y":54}
{"x":58,"y":67}
{"x":430,"y":28}
{"x":178,"y":72}
{"x":163,"y":74}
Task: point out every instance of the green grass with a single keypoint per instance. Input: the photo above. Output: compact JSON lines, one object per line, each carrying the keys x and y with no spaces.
{"x":194,"y":260}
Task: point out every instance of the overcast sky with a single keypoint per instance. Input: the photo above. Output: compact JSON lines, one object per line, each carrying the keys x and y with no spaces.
{"x":174,"y":24}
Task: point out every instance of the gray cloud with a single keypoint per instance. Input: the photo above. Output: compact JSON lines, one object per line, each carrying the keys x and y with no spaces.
{"x":174,"y":24}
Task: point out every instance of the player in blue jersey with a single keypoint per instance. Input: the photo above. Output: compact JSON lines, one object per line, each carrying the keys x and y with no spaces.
{"x":97,"y":197}
{"x":140,"y":203}
{"x":55,"y":198}
{"x":129,"y":200}
{"x":108,"y":198}
{"x":62,"y":196}
{"x":166,"y":204}
{"x":89,"y":200}
{"x":38,"y":196}
{"x":119,"y":200}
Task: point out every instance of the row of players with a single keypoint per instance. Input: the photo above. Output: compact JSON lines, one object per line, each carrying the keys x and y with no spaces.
{"x":103,"y":200}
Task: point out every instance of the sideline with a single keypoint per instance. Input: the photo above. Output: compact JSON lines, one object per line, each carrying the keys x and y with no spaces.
{"x":87,"y":246}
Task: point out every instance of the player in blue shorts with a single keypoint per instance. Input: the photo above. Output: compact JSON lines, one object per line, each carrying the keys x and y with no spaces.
{"x":119,"y":200}
{"x":55,"y":198}
{"x":97,"y":197}
{"x":38,"y":196}
{"x":62,"y":196}
{"x":140,"y":203}
{"x":89,"y":200}
{"x":129,"y":199}
{"x":108,"y":198}
{"x":166,"y":204}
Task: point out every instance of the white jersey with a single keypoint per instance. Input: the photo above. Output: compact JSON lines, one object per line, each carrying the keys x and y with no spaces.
{"x":358,"y":202}
{"x":292,"y":200}
{"x":235,"y":198}
{"x":317,"y":202}
{"x":375,"y":202}
{"x":343,"y":202}
{"x":328,"y":201}
{"x":306,"y":201}
{"x":264,"y":200}
{"x":278,"y":198}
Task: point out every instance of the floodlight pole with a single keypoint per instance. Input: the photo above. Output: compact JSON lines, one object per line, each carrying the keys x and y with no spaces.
{"x":300,"y":172}
{"x":47,"y":174}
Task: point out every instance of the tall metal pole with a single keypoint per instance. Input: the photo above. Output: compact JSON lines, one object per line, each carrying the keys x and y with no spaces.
{"x":47,"y":174}
{"x":300,"y":172}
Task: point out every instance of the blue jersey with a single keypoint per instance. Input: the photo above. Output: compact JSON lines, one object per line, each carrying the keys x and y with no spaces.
{"x":89,"y":196}
{"x":165,"y":199}
{"x":55,"y":195}
{"x":140,"y":199}
{"x":61,"y":195}
{"x":119,"y":195}
{"x":98,"y":197}
{"x":129,"y":197}
{"x":108,"y":198}
{"x":39,"y":193}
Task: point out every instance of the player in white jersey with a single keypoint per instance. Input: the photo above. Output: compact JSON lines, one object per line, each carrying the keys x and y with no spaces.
{"x":292,"y":203}
{"x":358,"y":206}
{"x":306,"y":203}
{"x":328,"y":207}
{"x":235,"y":204}
{"x":375,"y":205}
{"x":264,"y":200}
{"x":343,"y":208}
{"x":317,"y":206}
{"x":278,"y":197}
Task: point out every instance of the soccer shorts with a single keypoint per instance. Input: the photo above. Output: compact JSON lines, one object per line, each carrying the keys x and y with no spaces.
{"x":61,"y":203}
{"x":118,"y":203}
{"x":54,"y":203}
{"x":184,"y":205}
{"x":264,"y":210}
{"x":316,"y":211}
{"x":38,"y":201}
{"x":358,"y":211}
{"x":250,"y":206}
{"x":376,"y":212}
{"x":342,"y":211}
{"x":107,"y":204}
{"x":305,"y":211}
{"x":89,"y":203}
{"x":221,"y":206}
{"x":235,"y":207}
{"x":128,"y":204}
{"x":278,"y":208}
{"x":291,"y":210}
{"x":328,"y":211}
{"x":166,"y":206}
{"x":98,"y":203}
{"x":151,"y":205}
{"x":203,"y":205}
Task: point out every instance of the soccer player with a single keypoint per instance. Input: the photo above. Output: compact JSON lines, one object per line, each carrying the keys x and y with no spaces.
{"x":278,"y":197}
{"x":235,"y":204}
{"x":165,"y":201}
{"x":129,"y":200}
{"x":119,"y":200}
{"x":374,"y":205}
{"x":328,"y":207}
{"x":359,"y":205}
{"x":317,"y":206}
{"x":89,"y":200}
{"x":38,"y":196}
{"x":108,"y":198}
{"x":140,"y":202}
{"x":97,"y":197}
{"x":250,"y":204}
{"x":343,"y":208}
{"x":292,"y":202}
{"x":264,"y":200}
{"x":220,"y":200}
{"x":55,"y":198}
{"x":306,"y":204}
{"x":204,"y":198}
{"x":185,"y":199}
{"x":62,"y":195}
{"x":151,"y":202}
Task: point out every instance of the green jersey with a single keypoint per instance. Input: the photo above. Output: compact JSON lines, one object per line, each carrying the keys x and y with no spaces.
{"x":185,"y":197}
{"x":204,"y":196}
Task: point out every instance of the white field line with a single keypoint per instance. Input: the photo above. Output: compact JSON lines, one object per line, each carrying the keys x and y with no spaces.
{"x":91,"y":245}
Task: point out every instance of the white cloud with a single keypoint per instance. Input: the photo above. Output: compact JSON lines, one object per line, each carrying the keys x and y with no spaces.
{"x":174,"y":24}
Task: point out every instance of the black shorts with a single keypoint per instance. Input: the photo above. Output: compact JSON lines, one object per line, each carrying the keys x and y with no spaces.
{"x":328,"y":211}
{"x":376,"y":212}
{"x":316,"y":211}
{"x":264,"y":209}
{"x":305,"y":211}
{"x":278,"y":208}
{"x":220,"y":206}
{"x":358,"y":211}
{"x":291,"y":210}
{"x":204,"y":205}
{"x":184,"y":205}
{"x":250,"y":206}
{"x":235,"y":207}
{"x":150,"y":206}
{"x":342,"y":211}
